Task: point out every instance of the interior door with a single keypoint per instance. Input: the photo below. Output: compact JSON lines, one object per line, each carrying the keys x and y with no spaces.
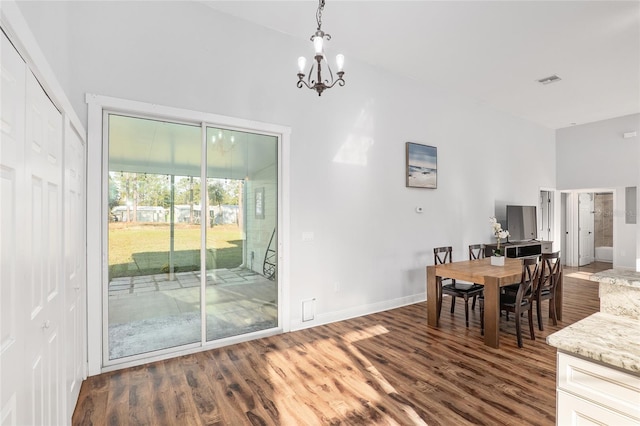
{"x":75,"y":277}
{"x":585,"y":228}
{"x":545,"y":231}
{"x":31,"y":221}
{"x":12,"y":308}
{"x":42,"y":234}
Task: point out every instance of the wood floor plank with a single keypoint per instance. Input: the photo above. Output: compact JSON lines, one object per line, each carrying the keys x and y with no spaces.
{"x":117,"y":412}
{"x":387,"y":368}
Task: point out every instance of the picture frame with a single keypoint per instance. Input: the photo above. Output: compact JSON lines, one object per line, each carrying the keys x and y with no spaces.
{"x":421,"y":166}
{"x":259,"y":203}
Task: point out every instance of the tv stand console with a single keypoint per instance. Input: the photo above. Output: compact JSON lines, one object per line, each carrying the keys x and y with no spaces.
{"x":520,"y":248}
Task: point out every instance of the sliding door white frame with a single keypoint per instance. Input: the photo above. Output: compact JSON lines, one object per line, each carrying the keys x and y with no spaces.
{"x":96,"y":228}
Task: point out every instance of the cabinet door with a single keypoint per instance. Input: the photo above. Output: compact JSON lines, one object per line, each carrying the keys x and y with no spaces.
{"x":576,"y":411}
{"x":609,"y":387}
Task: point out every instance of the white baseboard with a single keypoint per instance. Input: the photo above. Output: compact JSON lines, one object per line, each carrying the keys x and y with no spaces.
{"x":357,"y":311}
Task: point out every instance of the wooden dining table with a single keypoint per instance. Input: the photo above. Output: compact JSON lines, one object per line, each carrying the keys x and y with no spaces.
{"x":481,"y":272}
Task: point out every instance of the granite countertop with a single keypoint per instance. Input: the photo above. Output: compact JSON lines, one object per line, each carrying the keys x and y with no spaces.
{"x":602,"y":337}
{"x":621,"y":277}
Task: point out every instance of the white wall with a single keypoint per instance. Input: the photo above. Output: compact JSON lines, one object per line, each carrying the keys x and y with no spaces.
{"x":596,"y":156}
{"x":347,"y":147}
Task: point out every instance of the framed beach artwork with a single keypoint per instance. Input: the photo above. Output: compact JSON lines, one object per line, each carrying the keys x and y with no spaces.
{"x":422,"y":166}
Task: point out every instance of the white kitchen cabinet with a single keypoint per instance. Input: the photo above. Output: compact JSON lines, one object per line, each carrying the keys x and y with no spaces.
{"x":594,"y":394}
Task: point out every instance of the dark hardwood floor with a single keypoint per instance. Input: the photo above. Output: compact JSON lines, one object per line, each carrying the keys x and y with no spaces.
{"x":385,"y":368}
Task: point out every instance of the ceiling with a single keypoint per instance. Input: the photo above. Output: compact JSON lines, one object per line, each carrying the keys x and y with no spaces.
{"x":491,"y":51}
{"x":141,"y":145}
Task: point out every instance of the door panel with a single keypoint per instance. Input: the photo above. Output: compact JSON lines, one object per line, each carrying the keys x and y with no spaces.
{"x":13,"y":309}
{"x":241,"y":295}
{"x":31,"y":249}
{"x":153,"y":282}
{"x":75,"y":281}
{"x":43,"y":237}
{"x":546,"y":225}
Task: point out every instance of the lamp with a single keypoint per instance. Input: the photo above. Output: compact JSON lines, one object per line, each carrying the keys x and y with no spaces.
{"x":320,"y":85}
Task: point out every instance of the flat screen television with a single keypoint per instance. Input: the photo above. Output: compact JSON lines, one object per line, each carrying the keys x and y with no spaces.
{"x":522,"y":223}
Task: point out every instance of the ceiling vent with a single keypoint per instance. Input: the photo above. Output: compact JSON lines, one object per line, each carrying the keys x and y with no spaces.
{"x":548,"y":80}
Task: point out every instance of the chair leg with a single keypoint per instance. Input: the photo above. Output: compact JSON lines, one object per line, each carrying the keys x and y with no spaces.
{"x":453,"y":303}
{"x":552,"y":309}
{"x":539,"y":313}
{"x":533,"y":336}
{"x":518,"y":331}
{"x":466,"y":311}
{"x":473,"y":305}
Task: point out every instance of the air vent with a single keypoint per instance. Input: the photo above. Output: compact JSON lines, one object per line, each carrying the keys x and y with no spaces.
{"x":550,"y":79}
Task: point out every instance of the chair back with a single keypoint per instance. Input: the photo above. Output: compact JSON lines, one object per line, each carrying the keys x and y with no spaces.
{"x":550,"y":274}
{"x":476,"y":251}
{"x":442,"y":255}
{"x":528,"y":280}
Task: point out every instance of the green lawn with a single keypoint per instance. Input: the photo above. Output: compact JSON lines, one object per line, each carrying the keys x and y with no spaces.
{"x":143,"y":248}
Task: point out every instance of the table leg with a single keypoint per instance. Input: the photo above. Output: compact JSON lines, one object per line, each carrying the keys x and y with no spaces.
{"x":491,"y":312}
{"x":432,"y":297}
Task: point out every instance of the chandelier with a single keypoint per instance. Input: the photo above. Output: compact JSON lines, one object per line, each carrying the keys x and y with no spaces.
{"x":318,"y":84}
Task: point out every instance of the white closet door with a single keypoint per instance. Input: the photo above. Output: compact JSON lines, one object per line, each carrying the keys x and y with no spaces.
{"x":74,"y":254}
{"x":42,"y":234}
{"x":13,"y":312}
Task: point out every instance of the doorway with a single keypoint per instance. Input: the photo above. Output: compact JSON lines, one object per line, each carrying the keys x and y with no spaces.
{"x":585,"y":228}
{"x":595,"y":227}
{"x":603,"y":226}
{"x":190,"y":211}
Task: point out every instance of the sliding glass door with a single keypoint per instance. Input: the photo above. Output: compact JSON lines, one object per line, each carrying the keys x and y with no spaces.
{"x":173,"y":239}
{"x":241,"y":292}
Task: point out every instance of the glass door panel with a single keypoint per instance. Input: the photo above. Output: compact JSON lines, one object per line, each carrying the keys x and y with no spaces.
{"x":153,"y":235}
{"x":241,"y":286}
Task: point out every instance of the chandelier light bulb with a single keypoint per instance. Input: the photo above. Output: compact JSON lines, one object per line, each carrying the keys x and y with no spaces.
{"x":302,"y":63}
{"x":340,"y":61}
{"x":317,"y":44}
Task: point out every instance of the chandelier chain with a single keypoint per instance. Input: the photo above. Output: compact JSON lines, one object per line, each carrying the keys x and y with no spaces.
{"x":319,"y":14}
